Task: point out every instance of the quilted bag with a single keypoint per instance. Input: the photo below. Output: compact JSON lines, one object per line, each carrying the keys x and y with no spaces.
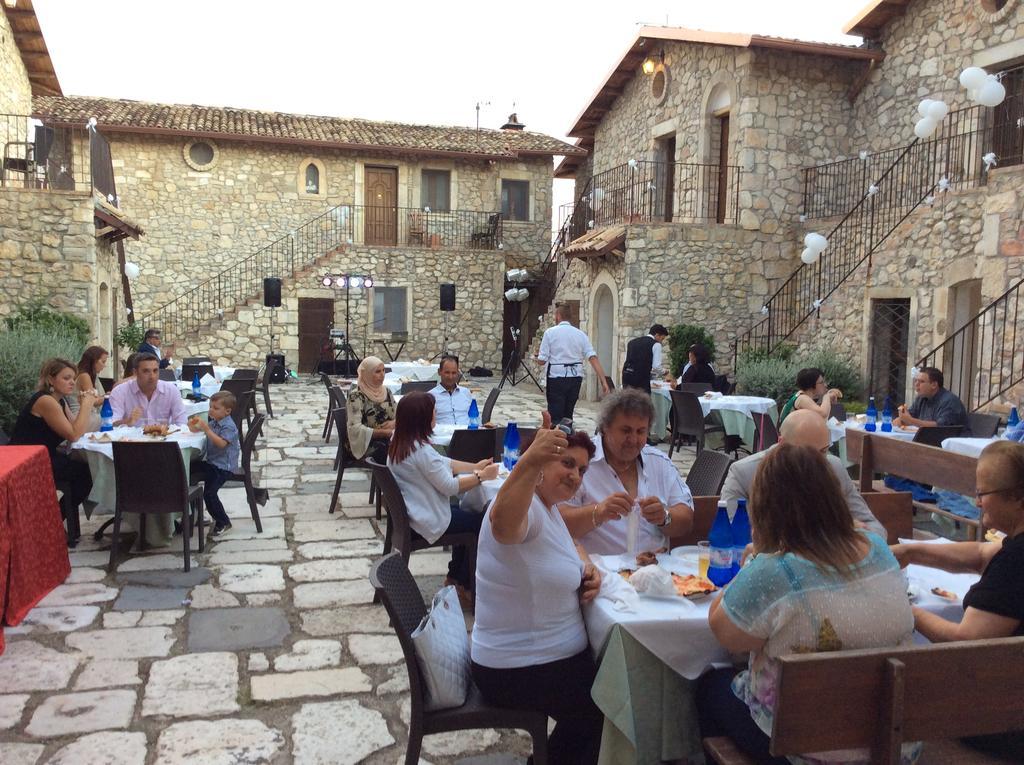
{"x":442,"y":650}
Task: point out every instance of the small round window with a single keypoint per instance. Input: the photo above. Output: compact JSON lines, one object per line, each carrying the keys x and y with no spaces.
{"x":996,"y":10}
{"x":200,"y":154}
{"x":659,"y":84}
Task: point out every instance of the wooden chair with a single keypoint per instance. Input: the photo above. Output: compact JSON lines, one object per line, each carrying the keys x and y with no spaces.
{"x":688,"y":420}
{"x":399,"y":532}
{"x":879,"y":698}
{"x":492,"y":398}
{"x":983,"y":425}
{"x":417,"y":385}
{"x":417,"y":228}
{"x":707,"y":474}
{"x":487,"y":237}
{"x":396,"y":588}
{"x":150,"y":480}
{"x":473,"y":445}
{"x":934,"y":436}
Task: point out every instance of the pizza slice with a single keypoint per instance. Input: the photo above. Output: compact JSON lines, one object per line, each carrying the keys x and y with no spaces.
{"x":692,"y":586}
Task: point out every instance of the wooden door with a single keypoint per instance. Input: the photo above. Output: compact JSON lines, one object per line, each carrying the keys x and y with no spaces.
{"x":316,"y":317}
{"x":381,"y":205}
{"x":669,"y":177}
{"x":723,"y":168}
{"x":1008,"y":121}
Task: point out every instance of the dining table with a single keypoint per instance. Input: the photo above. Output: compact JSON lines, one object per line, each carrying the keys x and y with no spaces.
{"x":33,"y":547}
{"x":99,"y":454}
{"x":221,"y":373}
{"x":971,"y":447}
{"x":735,"y":412}
{"x":207,"y":386}
{"x":412,"y":370}
{"x":651,"y":651}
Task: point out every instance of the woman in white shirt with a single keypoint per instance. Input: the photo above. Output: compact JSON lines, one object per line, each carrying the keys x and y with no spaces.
{"x":530,"y":648}
{"x":429,"y":480}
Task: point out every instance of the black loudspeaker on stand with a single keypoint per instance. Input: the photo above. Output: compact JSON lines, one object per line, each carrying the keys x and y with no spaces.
{"x":272,"y":300}
{"x":278,"y":374}
{"x":272,"y":292}
{"x":447,"y":304}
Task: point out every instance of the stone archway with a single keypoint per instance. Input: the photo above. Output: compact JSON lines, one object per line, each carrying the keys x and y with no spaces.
{"x":603,"y":312}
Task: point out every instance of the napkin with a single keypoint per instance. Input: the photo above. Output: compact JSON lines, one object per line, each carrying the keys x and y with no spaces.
{"x":654,"y":581}
{"x":617,"y":590}
{"x":207,"y":379}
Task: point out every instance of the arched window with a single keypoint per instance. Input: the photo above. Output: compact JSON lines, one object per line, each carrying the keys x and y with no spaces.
{"x":312,"y":179}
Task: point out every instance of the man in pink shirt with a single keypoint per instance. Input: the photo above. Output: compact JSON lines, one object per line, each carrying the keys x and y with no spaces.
{"x":147,"y":397}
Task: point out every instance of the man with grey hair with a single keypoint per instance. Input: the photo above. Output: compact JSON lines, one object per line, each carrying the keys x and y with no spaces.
{"x":803,"y":427}
{"x":626,"y":475}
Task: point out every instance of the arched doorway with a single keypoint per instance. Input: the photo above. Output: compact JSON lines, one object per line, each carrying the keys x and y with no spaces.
{"x":603,"y":333}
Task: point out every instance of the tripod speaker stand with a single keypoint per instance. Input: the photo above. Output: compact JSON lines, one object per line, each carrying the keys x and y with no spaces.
{"x":515,"y":370}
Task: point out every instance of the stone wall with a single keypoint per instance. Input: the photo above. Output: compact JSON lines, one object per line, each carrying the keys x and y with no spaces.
{"x":198,"y":222}
{"x":15,"y":89}
{"x":48,"y":250}
{"x":243,"y":338}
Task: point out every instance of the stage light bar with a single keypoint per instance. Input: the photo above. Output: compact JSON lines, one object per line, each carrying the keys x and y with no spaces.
{"x":347,"y":281}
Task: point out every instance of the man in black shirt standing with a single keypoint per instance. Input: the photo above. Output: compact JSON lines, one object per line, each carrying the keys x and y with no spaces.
{"x":643,"y":354}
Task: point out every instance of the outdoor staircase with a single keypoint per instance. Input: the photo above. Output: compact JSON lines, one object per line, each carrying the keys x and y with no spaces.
{"x":912,"y":175}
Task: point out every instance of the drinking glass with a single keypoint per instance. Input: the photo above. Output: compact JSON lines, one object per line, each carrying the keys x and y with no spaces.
{"x":703,"y":558}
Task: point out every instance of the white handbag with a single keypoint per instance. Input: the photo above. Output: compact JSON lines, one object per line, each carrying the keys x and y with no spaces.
{"x":442,"y":651}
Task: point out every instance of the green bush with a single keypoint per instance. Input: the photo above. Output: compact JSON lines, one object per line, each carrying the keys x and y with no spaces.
{"x":681,"y":337}
{"x":23,"y":350}
{"x":130,"y":336}
{"x":838,"y":371}
{"x":776,"y":377}
{"x":783,"y":351}
{"x":37,"y":314}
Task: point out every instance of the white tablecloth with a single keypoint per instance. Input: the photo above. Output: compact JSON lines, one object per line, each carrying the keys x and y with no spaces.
{"x":183,"y":438}
{"x":972,"y":447}
{"x":748,"y":405}
{"x":221,"y":373}
{"x":412,"y":370}
{"x":676,"y":629}
{"x":192,"y":408}
{"x":903,"y":434}
{"x":442,"y":435}
{"x":207,"y":389}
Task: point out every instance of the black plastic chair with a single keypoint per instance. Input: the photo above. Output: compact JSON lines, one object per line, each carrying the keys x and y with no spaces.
{"x":934,"y":436}
{"x":707,"y":474}
{"x":399,"y":532}
{"x":244,"y":391}
{"x":335,"y":401}
{"x":188,"y":370}
{"x":107,"y":383}
{"x":765,"y":432}
{"x":838,"y":411}
{"x":983,"y":425}
{"x":254,"y":495}
{"x":268,"y":373}
{"x":473,"y":445}
{"x":150,"y":480}
{"x":696,"y":388}
{"x":343,"y":460}
{"x":722,"y":384}
{"x":688,"y":420}
{"x":492,"y":398}
{"x":397,"y":589}
{"x":417,"y":385}
{"x":526,"y":436}
{"x":251,"y":375}
{"x":167,"y":375}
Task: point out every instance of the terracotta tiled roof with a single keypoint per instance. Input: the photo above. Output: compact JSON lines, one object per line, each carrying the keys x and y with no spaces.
{"x":32,"y":47}
{"x":119,"y":115}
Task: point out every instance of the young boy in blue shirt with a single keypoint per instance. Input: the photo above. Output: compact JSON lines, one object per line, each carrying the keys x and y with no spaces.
{"x":222,"y":451}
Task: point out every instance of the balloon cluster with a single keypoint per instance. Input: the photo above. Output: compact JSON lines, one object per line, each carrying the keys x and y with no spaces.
{"x":983,"y":88}
{"x":931,"y":113}
{"x":814,"y":245}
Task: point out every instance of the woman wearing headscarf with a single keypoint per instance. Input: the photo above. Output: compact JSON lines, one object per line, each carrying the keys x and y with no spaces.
{"x":371,"y":412}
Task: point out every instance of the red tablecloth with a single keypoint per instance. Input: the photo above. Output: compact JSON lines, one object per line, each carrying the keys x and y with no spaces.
{"x":33,"y":547}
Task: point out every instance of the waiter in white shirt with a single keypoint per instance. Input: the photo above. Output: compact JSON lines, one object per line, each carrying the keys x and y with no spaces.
{"x":563,"y":350}
{"x":451,"y":400}
{"x":626,"y":473}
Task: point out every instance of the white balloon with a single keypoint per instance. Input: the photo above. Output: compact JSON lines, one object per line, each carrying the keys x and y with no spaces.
{"x":924,"y":106}
{"x":815,"y":242}
{"x":991,"y":93}
{"x":809,"y":256}
{"x":938,"y":110}
{"x":925,"y":127}
{"x":973,"y":77}
{"x":131,"y":270}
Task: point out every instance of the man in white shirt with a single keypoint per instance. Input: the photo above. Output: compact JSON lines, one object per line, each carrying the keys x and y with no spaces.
{"x":563,"y":349}
{"x":801,"y":428}
{"x":626,"y":473}
{"x":451,"y":400}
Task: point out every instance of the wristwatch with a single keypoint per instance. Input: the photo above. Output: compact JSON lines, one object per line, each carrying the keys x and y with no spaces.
{"x":668,"y":519}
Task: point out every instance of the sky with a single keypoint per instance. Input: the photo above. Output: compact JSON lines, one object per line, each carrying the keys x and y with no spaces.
{"x":415,"y":62}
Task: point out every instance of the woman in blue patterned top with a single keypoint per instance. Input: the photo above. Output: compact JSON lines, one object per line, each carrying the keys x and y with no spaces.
{"x":815,"y":583}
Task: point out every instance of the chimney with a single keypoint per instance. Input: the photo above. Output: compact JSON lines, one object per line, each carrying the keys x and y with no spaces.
{"x":513,"y":123}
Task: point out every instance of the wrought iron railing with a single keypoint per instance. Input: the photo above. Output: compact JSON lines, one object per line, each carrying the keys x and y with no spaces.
{"x":341,"y":226}
{"x":40,"y":156}
{"x":643,"y":191}
{"x":982,"y":359}
{"x":952,"y":159}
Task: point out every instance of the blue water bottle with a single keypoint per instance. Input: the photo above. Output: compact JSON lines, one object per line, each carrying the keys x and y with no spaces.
{"x":720,"y":564}
{"x":872,"y":414}
{"x":474,"y":415}
{"x":197,"y":389}
{"x":510,"y":450}
{"x":740,"y":529}
{"x":887,"y":416}
{"x":1014,"y":419}
{"x":106,"y":415}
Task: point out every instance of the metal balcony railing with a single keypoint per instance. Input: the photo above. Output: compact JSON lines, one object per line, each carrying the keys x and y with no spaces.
{"x":39,"y":156}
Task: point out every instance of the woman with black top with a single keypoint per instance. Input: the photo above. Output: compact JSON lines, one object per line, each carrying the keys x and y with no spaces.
{"x":699,"y":369}
{"x":46,"y":421}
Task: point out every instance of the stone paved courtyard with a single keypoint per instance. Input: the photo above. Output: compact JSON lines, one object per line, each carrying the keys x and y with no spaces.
{"x":268,"y":650}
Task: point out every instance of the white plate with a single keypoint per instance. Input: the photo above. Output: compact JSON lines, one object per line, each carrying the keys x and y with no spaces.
{"x":686,"y":552}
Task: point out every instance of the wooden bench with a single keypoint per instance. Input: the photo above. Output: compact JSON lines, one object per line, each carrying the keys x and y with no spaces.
{"x":894,"y":510}
{"x":880,"y":698}
{"x":918,"y":462}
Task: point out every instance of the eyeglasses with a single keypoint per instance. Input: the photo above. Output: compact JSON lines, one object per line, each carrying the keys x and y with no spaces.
{"x":980,"y":494}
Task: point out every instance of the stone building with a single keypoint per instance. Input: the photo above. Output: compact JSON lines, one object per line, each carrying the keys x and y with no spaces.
{"x":53,"y":245}
{"x":228,"y":197}
{"x":713,"y":154}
